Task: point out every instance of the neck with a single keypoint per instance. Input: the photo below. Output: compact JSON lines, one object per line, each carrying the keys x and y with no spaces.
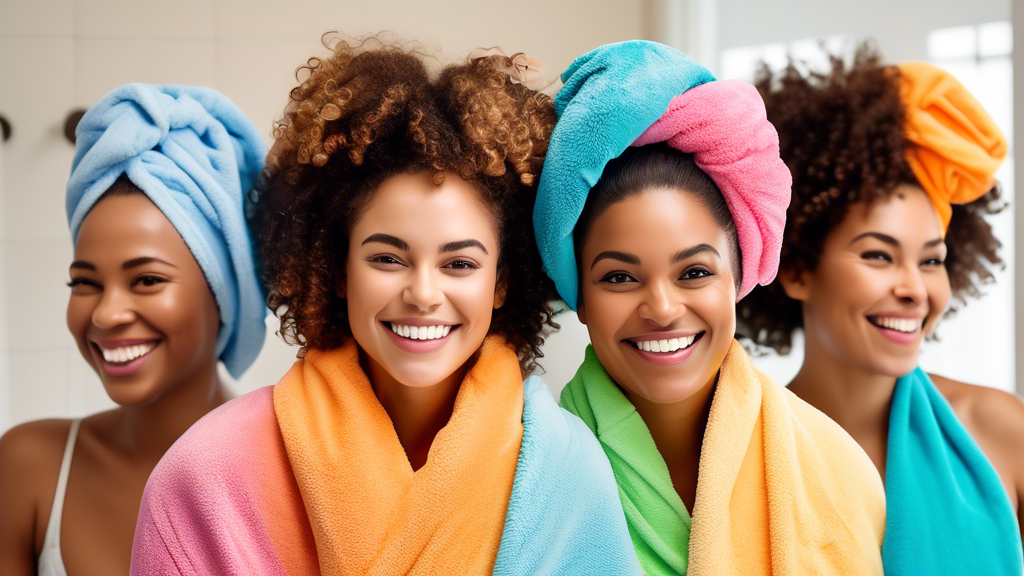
{"x":856,"y":398}
{"x":417,"y":413}
{"x":678,"y":432}
{"x":147,"y":431}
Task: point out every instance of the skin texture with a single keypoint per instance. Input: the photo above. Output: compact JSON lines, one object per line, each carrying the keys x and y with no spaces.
{"x":643,"y":289}
{"x":850,"y":367}
{"x":421,"y":254}
{"x":115,"y":296}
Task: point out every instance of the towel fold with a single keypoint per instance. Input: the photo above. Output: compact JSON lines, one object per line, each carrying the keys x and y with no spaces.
{"x":196,"y":156}
{"x":611,"y":95}
{"x":724,"y":125}
{"x":782,"y":488}
{"x":956,"y":146}
{"x":948,"y":511}
{"x":242,"y":493}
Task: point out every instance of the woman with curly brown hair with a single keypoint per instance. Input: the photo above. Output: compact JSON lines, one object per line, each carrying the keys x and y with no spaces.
{"x":892,"y":177}
{"x":394,"y":225}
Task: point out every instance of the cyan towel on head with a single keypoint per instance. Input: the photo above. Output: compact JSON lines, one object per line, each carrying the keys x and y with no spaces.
{"x":196,"y":156}
{"x":948,"y":512}
{"x":564,"y":515}
{"x":611,"y":96}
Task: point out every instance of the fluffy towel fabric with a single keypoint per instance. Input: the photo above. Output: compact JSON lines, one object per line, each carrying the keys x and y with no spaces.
{"x":724,"y":125}
{"x":226,"y":500}
{"x":196,"y":156}
{"x":611,"y":95}
{"x":782,"y":488}
{"x":957,"y":147}
{"x":938,"y":482}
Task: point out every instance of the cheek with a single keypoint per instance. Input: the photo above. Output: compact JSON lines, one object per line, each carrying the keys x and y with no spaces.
{"x":79,"y":316}
{"x":607,"y":312}
{"x":473,"y":298}
{"x":939,"y":291}
{"x":367,"y":292}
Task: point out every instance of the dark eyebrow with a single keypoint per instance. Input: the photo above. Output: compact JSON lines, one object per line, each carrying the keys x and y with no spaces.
{"x":932,"y":243}
{"x":462,"y":244}
{"x":83,"y":265}
{"x":387,"y":239}
{"x":878,"y":236}
{"x":128,"y":265}
{"x":613,"y":255}
{"x":690,"y":252}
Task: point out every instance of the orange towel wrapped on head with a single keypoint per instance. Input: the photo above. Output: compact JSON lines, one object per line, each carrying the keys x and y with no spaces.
{"x":956,"y":146}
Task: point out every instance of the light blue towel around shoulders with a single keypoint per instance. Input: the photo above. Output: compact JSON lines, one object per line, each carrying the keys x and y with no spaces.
{"x":947,"y":511}
{"x":564,"y":516}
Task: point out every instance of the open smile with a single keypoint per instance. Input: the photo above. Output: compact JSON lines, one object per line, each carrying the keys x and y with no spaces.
{"x":898,"y":330}
{"x":124,"y":357}
{"x":420,"y":339}
{"x":664,"y":351}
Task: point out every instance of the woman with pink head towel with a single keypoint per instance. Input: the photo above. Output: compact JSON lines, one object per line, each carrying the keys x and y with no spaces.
{"x":661,"y":204}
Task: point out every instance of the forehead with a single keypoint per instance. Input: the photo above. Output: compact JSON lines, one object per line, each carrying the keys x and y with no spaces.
{"x":410,"y":207}
{"x":655,"y":222}
{"x":124,"y":226}
{"x":907,"y":215}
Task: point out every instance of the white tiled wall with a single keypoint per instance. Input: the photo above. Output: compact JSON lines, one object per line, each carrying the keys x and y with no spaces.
{"x":56,"y":55}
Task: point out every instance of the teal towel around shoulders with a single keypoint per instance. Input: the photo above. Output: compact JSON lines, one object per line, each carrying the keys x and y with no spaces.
{"x":612,"y":94}
{"x":564,"y":515}
{"x":947,"y":511}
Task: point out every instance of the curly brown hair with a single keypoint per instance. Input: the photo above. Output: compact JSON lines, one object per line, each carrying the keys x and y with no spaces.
{"x":371,"y":111}
{"x":841,"y":133}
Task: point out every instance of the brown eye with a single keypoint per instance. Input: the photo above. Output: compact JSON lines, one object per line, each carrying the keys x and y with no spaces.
{"x":462,"y":265}
{"x":696,"y":274}
{"x":618,"y":278}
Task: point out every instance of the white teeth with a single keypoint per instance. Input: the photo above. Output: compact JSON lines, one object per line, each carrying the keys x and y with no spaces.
{"x":904,"y":325}
{"x":421,"y":332}
{"x":126,"y":353}
{"x":668,"y":345}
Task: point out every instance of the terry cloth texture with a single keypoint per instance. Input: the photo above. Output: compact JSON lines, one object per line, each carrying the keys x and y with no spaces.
{"x":956,"y":146}
{"x":611,"y":96}
{"x":724,"y":125}
{"x":196,"y":156}
{"x":309,"y":478}
{"x":782,"y":488}
{"x":948,"y":511}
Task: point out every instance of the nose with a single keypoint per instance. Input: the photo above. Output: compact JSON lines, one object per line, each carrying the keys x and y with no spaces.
{"x":910,"y":285}
{"x":114,"y":309}
{"x":662,"y":305}
{"x":424,"y":292}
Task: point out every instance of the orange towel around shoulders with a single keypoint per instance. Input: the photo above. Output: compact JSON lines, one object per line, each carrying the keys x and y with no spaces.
{"x":370,"y":513}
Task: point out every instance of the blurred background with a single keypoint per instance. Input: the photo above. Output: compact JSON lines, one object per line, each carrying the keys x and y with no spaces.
{"x":58,"y":56}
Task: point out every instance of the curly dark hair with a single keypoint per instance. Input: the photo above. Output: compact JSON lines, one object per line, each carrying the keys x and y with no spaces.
{"x":371,"y":111}
{"x":841,"y":133}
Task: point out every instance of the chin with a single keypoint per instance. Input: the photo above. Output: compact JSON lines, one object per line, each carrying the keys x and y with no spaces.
{"x":895,"y":367}
{"x":129,"y":393}
{"x":667,"y":390}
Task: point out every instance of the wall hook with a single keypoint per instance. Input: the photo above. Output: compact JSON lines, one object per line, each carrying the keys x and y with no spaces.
{"x":5,"y":129}
{"x":74,"y":117}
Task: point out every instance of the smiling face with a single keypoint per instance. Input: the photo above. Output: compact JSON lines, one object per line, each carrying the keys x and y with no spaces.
{"x":140,"y":309}
{"x":880,"y":285}
{"x":421,"y":278}
{"x":658,"y":294}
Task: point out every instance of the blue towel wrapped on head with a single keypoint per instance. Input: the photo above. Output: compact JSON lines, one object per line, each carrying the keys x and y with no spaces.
{"x":196,"y":156}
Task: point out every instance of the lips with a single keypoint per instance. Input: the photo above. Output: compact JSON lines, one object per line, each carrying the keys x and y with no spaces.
{"x":121,"y":358}
{"x":420,"y":339}
{"x":903,"y":331}
{"x":672,"y":349}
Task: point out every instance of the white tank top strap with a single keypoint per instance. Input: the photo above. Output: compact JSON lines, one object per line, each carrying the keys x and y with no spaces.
{"x":51,"y":563}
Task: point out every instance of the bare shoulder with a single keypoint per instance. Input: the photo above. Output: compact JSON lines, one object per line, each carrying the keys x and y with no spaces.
{"x":994,"y":417}
{"x":33,"y":449}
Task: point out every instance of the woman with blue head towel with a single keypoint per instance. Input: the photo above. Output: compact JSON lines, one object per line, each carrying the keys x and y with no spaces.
{"x":662,"y":203}
{"x":163,"y":288}
{"x":893,"y":177}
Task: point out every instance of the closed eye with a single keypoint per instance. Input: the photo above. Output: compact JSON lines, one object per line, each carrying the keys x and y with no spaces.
{"x":82,"y":282}
{"x":385,"y":259}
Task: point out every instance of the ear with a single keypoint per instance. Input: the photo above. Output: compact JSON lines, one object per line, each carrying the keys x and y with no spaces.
{"x":581,"y":311}
{"x":500,"y":291}
{"x":795,"y":283}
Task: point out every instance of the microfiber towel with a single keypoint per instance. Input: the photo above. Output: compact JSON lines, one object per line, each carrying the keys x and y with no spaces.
{"x":956,"y":146}
{"x":948,"y":511}
{"x":564,"y":515}
{"x":724,"y":125}
{"x":611,"y":96}
{"x":196,"y":156}
{"x":782,"y":488}
{"x":227,"y":500}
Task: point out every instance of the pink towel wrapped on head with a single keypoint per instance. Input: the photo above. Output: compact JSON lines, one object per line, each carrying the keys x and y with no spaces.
{"x":723,"y":124}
